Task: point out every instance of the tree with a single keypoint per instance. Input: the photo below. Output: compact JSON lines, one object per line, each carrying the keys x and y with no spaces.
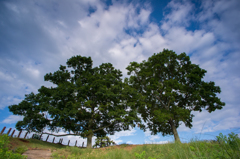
{"x":86,"y":101}
{"x":103,"y":142}
{"x":172,"y":87}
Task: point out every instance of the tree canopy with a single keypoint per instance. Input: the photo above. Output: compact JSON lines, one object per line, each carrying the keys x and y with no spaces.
{"x":171,"y":87}
{"x":86,"y":101}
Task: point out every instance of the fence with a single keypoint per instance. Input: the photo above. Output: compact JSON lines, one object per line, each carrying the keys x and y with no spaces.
{"x":20,"y":132}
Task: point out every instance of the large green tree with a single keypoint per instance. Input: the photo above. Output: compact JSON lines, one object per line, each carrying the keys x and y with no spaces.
{"x":171,"y":87}
{"x":85,"y":101}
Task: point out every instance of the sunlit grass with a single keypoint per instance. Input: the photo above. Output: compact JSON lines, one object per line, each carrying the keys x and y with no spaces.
{"x":224,"y":147}
{"x":32,"y":144}
{"x":191,"y":150}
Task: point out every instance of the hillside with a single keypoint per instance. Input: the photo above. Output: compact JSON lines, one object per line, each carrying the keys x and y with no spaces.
{"x":225,"y":147}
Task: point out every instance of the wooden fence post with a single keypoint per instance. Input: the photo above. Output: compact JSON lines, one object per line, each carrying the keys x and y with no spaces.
{"x":61,"y":140}
{"x":3,"y":129}
{"x":53,"y":140}
{"x":40,"y":136}
{"x":12,"y":133}
{"x":25,"y":135}
{"x":76,"y":143}
{"x":19,"y":133}
{"x":32,"y":136}
{"x":9,"y":131}
{"x":47,"y":137}
{"x":82,"y":144}
{"x":68,"y":142}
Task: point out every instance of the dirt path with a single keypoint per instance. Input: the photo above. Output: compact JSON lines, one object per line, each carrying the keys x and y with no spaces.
{"x":38,"y":154}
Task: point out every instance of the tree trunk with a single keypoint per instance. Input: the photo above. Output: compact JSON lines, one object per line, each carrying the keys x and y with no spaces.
{"x":89,"y":141}
{"x":175,"y":133}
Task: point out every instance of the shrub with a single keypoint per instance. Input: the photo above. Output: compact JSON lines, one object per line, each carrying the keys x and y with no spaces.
{"x":142,"y":155}
{"x":36,"y":136}
{"x":103,"y":142}
{"x":4,"y":152}
{"x":21,"y":149}
{"x":230,"y":145}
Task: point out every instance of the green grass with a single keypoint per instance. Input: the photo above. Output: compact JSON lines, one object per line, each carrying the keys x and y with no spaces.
{"x":226,"y":147}
{"x":33,"y":144}
{"x":192,"y":150}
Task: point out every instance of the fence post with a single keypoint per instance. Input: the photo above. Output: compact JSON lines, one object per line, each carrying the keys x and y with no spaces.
{"x":61,"y":140}
{"x":3,"y":129}
{"x":76,"y":143}
{"x":68,"y":142}
{"x":9,"y":131}
{"x":53,"y":140}
{"x":25,"y":135}
{"x":82,"y":144}
{"x":12,"y":133}
{"x":32,"y":136}
{"x":47,"y":137}
{"x":41,"y":136}
{"x":19,"y":133}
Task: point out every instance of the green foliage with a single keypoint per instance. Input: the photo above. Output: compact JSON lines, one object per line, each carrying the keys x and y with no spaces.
{"x":5,"y":153}
{"x":21,"y":149}
{"x":123,"y":145}
{"x":36,"y":136}
{"x":142,"y":155}
{"x":230,"y":145}
{"x":226,"y":147}
{"x":103,"y":142}
{"x":171,"y":88}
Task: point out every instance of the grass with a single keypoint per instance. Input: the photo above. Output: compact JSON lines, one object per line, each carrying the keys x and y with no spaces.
{"x":16,"y":143}
{"x":192,"y":150}
{"x":224,"y":148}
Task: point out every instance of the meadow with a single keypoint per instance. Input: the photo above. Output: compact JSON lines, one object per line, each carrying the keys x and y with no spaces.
{"x":224,"y":147}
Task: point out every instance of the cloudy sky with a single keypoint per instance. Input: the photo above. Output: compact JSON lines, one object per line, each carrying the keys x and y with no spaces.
{"x":37,"y":36}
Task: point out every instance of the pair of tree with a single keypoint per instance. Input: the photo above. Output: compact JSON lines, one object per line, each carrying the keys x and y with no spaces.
{"x":95,"y":101}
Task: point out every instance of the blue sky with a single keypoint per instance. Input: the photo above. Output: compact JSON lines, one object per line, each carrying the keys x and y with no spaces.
{"x":37,"y":36}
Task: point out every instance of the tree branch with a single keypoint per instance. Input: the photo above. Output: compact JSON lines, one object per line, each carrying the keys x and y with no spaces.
{"x":61,"y":135}
{"x":158,"y":98}
{"x":103,"y":127}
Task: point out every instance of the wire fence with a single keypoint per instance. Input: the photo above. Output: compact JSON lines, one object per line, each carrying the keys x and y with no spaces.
{"x":28,"y":135}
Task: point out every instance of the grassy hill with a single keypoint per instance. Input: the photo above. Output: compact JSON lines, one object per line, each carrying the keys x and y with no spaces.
{"x":32,"y":144}
{"x":225,"y":147}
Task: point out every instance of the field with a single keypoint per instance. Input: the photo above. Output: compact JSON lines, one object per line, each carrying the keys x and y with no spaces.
{"x":224,"y":147}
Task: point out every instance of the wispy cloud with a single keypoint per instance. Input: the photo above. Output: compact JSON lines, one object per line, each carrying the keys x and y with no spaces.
{"x":12,"y":119}
{"x":149,"y":137}
{"x":36,"y":37}
{"x":116,"y":137}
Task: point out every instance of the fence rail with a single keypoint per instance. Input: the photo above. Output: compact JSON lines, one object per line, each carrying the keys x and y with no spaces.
{"x":20,"y":132}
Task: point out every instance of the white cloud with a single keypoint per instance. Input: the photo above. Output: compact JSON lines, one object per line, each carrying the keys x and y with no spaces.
{"x":129,"y":142}
{"x":120,"y":134}
{"x":150,"y":137}
{"x":180,"y":13}
{"x":12,"y":119}
{"x":225,"y":26}
{"x":210,"y":122}
{"x":54,"y":36}
{"x":9,"y":100}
